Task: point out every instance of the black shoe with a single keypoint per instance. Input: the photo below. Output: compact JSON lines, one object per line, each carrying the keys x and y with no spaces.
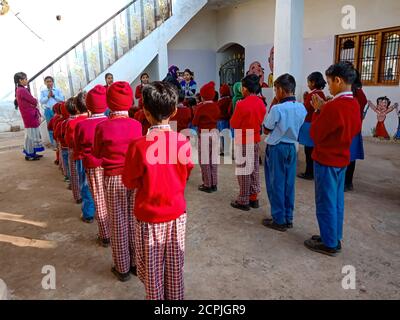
{"x":305,"y":176}
{"x":214,"y":188}
{"x":87,"y":220}
{"x":79,"y":201}
{"x":103,"y":242}
{"x":203,"y":188}
{"x":39,"y":156}
{"x":134,"y":271}
{"x":123,"y":277}
{"x":35,"y":158}
{"x":239,"y":206}
{"x":319,"y":239}
{"x":289,"y":225}
{"x":319,"y":247}
{"x":56,"y":162}
{"x":222,"y":154}
{"x":255,"y":204}
{"x":269,"y":223}
{"x":348,"y":187}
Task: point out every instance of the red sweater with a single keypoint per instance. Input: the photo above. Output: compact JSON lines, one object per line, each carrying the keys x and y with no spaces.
{"x":62,"y":130}
{"x":249,"y":114}
{"x":70,"y":133}
{"x":307,"y":103}
{"x":333,"y":130}
{"x":362,"y":101}
{"x":56,"y":126}
{"x":206,"y":115}
{"x":225,"y":107}
{"x":139,"y":116}
{"x":139,"y":96}
{"x":112,"y":138}
{"x":183,"y":118}
{"x":160,"y":187}
{"x":84,"y":139}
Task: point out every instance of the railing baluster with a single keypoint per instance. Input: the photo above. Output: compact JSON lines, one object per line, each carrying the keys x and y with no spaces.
{"x":101,"y":53}
{"x":128,"y":27}
{"x":115,"y":40}
{"x":142,"y":20}
{"x":71,"y":84}
{"x":85,"y":62}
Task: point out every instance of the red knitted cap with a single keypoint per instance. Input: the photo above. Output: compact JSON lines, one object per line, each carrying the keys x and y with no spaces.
{"x":96,"y":99}
{"x":120,"y":96}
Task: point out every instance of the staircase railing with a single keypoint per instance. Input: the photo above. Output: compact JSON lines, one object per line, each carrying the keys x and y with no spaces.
{"x":97,"y":51}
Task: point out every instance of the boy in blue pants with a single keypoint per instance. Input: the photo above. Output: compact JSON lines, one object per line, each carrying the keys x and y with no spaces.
{"x":283,"y":125}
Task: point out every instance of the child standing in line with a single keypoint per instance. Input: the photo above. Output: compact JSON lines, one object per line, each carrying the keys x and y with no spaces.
{"x":246,"y":121}
{"x":51,"y":126}
{"x":96,"y":103}
{"x":140,"y":117}
{"x":333,"y":128}
{"x":183,"y":116}
{"x":283,"y":124}
{"x":316,"y":84}
{"x":144,"y":80}
{"x":225,"y":107}
{"x":160,"y":206}
{"x":64,"y":147}
{"x":205,"y":119}
{"x":112,"y":138}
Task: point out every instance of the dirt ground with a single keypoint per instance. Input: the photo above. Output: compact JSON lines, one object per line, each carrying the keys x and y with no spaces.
{"x":229,"y":254}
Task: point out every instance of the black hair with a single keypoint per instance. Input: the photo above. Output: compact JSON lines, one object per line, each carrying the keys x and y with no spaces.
{"x":383,"y":99}
{"x":80,"y":102}
{"x":181,"y":96}
{"x":160,"y":99}
{"x":17,"y":77}
{"x":71,"y":107}
{"x":49,"y":77}
{"x":216,"y":97}
{"x":343,"y":70}
{"x":357,"y":84}
{"x":252,"y":83}
{"x":190,"y":72}
{"x":318,"y":79}
{"x":144,"y":74}
{"x":192,"y":102}
{"x":108,"y":74}
{"x":287,"y":83}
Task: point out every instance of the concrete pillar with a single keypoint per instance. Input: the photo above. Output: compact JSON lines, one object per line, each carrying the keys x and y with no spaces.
{"x":3,"y":291}
{"x":289,"y":26}
{"x":162,"y":60}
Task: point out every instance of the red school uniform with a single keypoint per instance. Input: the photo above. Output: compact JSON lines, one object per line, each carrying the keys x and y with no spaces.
{"x":111,"y":142}
{"x":70,"y":133}
{"x":333,"y":129}
{"x":84,"y":140}
{"x":206,"y":115}
{"x":307,"y":103}
{"x":139,"y":116}
{"x":139,"y":96}
{"x":225,"y":107}
{"x":183,"y":117}
{"x":248,"y":115}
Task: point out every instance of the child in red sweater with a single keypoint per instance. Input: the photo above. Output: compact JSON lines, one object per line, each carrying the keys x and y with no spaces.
{"x":139,"y":116}
{"x":333,"y":128}
{"x":205,"y":119}
{"x":160,"y":207}
{"x":247,"y":120}
{"x":144,"y":80}
{"x":111,"y":142}
{"x":225,"y":107}
{"x":59,"y":135}
{"x":96,"y":103}
{"x":183,"y":116}
{"x":51,"y":127}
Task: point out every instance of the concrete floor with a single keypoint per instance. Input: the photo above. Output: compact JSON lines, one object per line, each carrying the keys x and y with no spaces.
{"x":229,"y":254}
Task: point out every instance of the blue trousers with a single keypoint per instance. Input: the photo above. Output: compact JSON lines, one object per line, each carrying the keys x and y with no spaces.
{"x":88,"y":208}
{"x":329,"y":200}
{"x":280,"y":177}
{"x":48,"y":114}
{"x":64,"y":154}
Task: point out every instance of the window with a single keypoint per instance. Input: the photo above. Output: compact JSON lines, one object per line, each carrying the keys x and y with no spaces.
{"x":376,"y":54}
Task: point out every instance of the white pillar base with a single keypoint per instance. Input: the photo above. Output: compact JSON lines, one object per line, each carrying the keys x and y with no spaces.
{"x":3,"y":291}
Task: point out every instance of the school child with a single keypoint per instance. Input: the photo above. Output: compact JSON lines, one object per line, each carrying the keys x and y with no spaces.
{"x":51,"y":126}
{"x":183,"y":116}
{"x":160,"y":206}
{"x":283,"y":125}
{"x":316,"y":84}
{"x":333,"y":128}
{"x":225,"y":107}
{"x":141,"y":118}
{"x":96,"y":103}
{"x":112,"y":138}
{"x":56,"y":125}
{"x":205,"y":119}
{"x":188,"y":85}
{"x":246,"y":121}
{"x":60,"y":134}
{"x":144,"y":80}
{"x":70,"y":125}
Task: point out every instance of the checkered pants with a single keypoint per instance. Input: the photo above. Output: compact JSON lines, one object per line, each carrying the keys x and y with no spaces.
{"x":76,"y":192}
{"x":120,"y":204}
{"x":160,"y":253}
{"x":95,"y":177}
{"x":248,"y":173}
{"x":208,"y":165}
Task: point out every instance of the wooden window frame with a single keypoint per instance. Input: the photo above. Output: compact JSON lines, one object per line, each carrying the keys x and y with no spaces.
{"x":379,"y":54}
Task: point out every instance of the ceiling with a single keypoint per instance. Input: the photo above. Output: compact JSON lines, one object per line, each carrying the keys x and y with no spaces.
{"x":219,"y":4}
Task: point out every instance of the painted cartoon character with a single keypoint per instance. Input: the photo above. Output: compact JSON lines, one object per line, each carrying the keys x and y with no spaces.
{"x":382,"y":109}
{"x":397,"y":135}
{"x":271,"y":66}
{"x":256,"y":68}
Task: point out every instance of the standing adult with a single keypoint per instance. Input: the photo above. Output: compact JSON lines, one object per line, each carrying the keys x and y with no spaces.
{"x":28,"y":107}
{"x":48,"y":98}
